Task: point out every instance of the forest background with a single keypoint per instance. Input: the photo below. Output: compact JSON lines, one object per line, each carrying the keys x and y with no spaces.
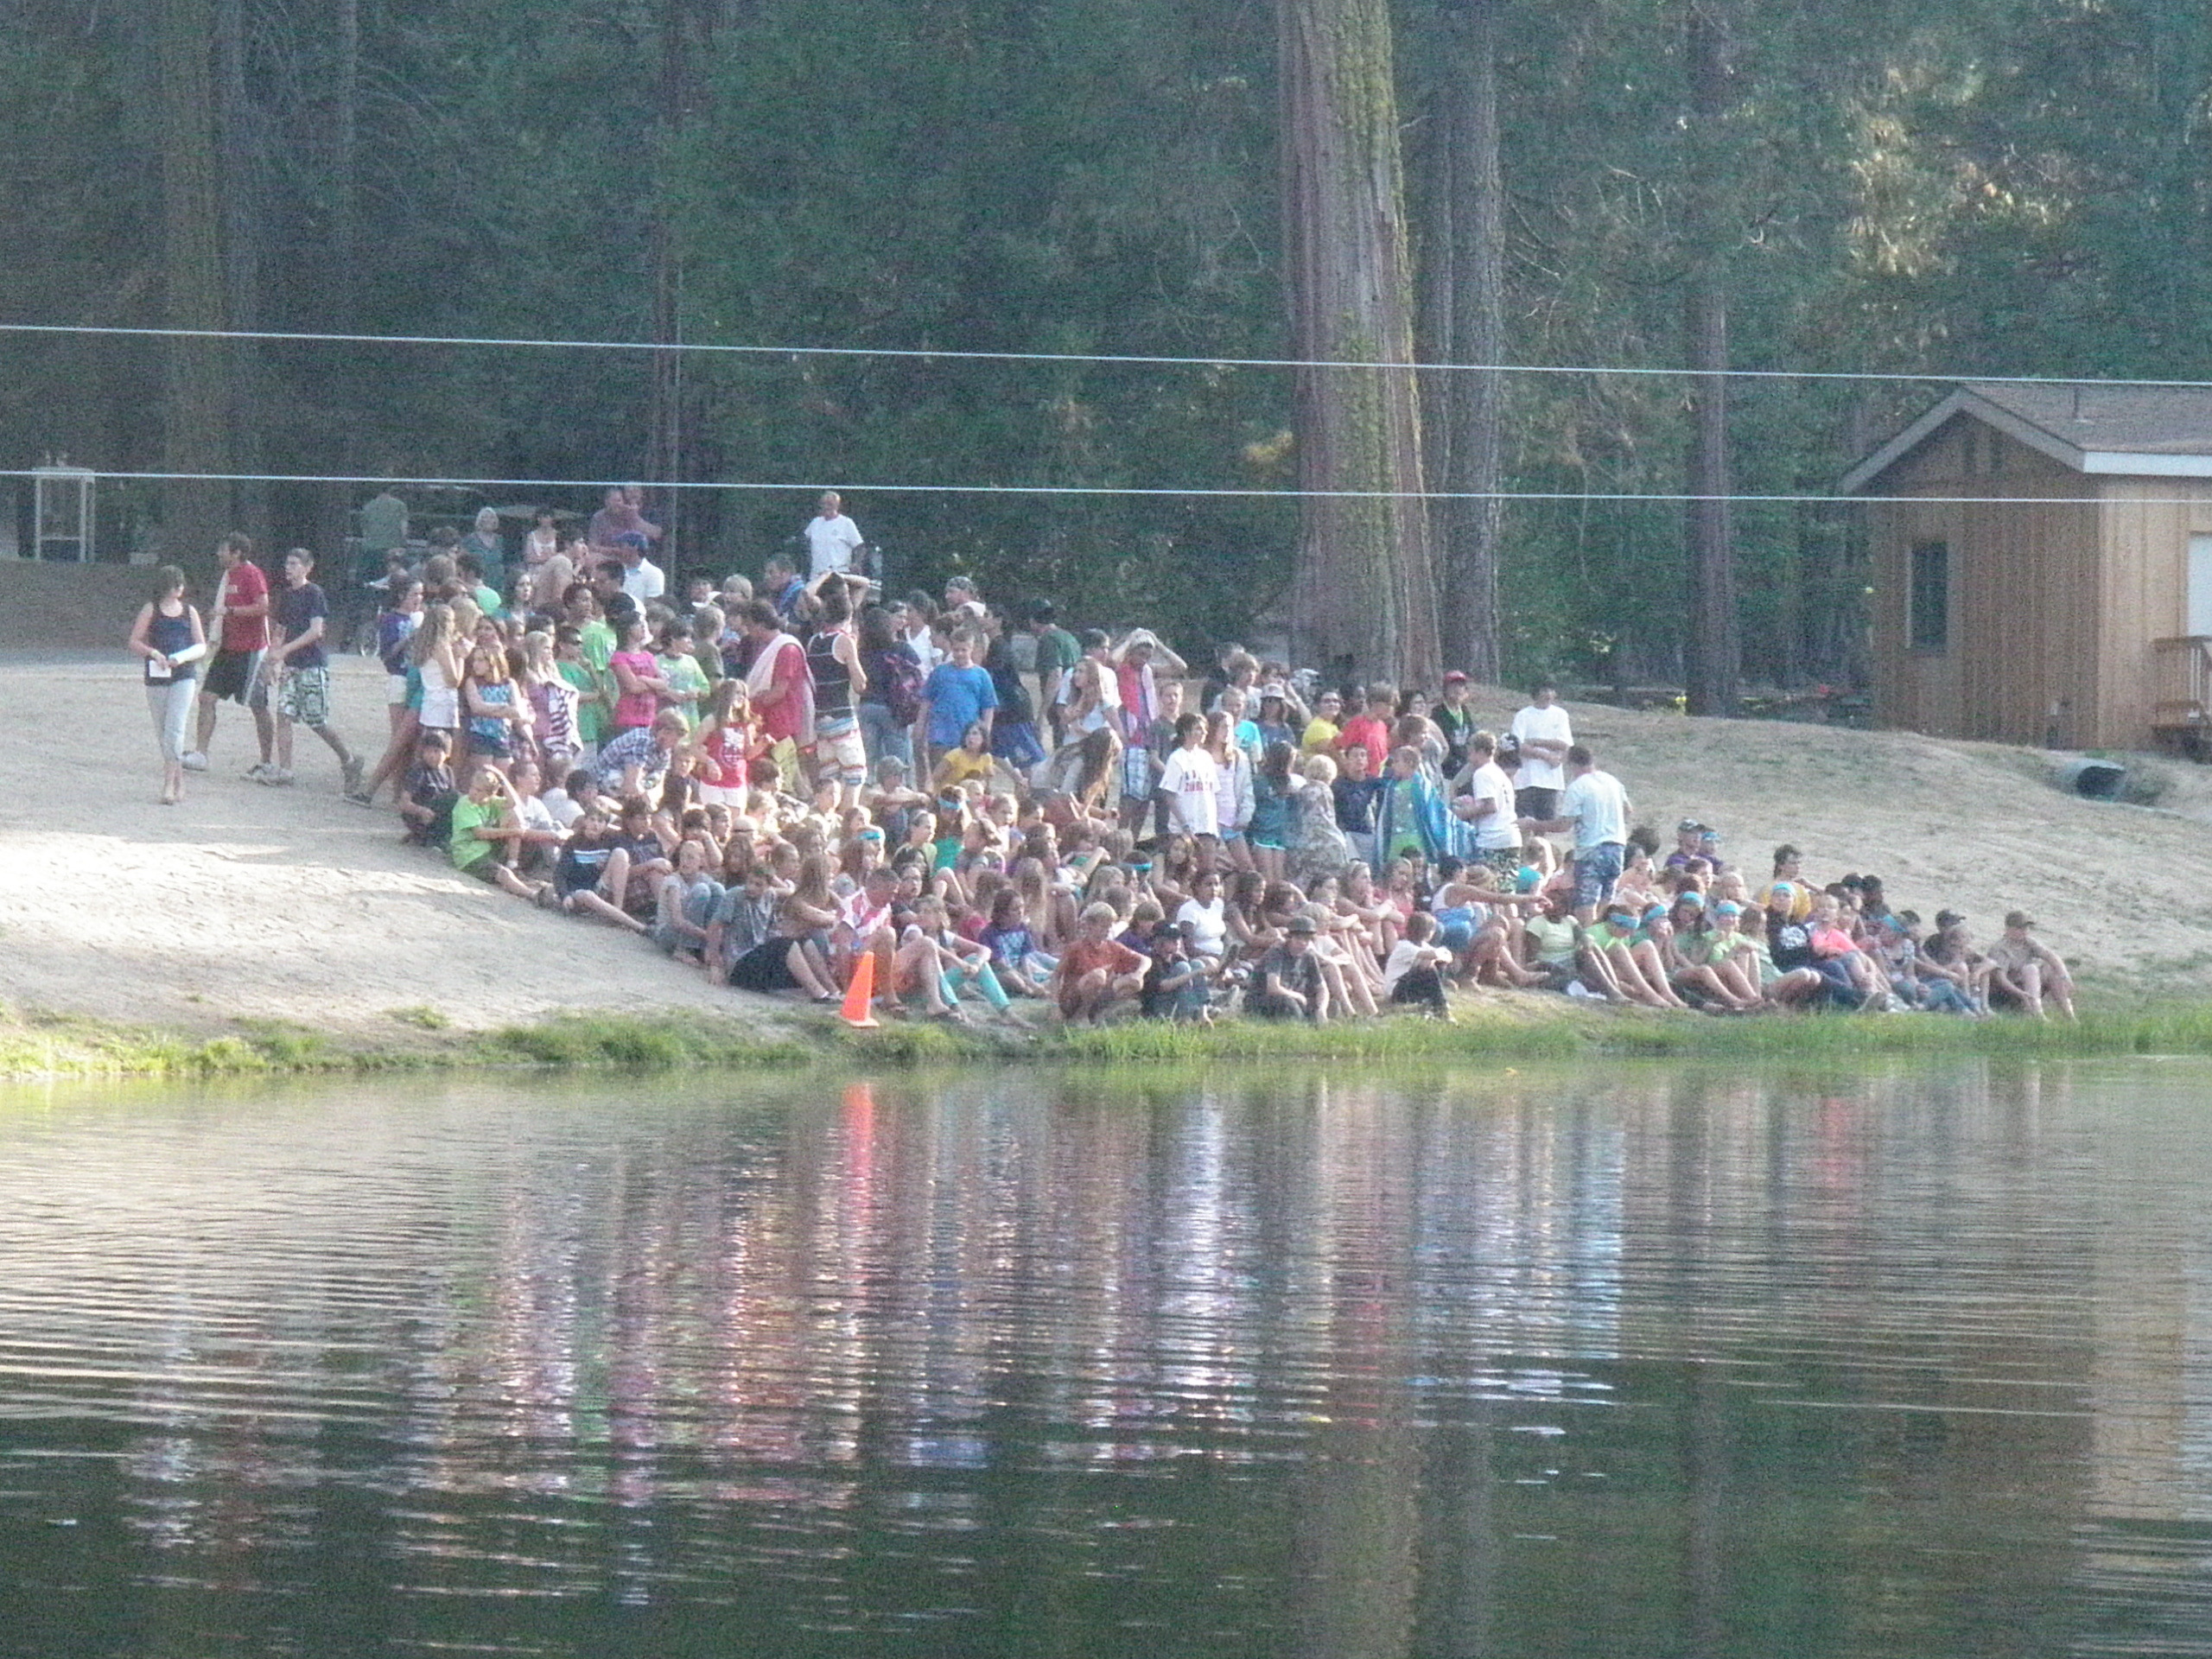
{"x":1949,"y":188}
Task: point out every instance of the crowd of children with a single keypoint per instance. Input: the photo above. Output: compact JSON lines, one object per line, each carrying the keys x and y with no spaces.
{"x":777,"y":787}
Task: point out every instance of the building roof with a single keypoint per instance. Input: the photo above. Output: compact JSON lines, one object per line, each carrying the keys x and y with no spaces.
{"x":2091,"y":426}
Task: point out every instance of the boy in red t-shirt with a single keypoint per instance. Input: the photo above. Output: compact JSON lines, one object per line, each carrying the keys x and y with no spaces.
{"x":1371,"y":729}
{"x":241,"y":632}
{"x":1094,"y":972}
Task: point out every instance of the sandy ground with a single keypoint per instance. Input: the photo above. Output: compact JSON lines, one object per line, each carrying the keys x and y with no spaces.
{"x":261,"y":903}
{"x":257,"y":904}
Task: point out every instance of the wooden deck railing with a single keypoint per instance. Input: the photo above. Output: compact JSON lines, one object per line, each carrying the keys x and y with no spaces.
{"x":2182,"y":679}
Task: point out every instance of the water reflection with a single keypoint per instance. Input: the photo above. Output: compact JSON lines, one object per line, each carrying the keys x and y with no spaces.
{"x":1614,"y":1360}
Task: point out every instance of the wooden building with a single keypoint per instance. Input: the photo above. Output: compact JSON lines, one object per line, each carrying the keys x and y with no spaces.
{"x":2042,"y":566}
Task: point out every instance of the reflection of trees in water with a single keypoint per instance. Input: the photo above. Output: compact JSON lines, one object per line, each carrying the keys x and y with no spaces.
{"x":1379,"y":1329}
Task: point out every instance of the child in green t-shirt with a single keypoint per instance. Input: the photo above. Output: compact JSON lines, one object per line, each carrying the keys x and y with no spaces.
{"x":687,"y":681}
{"x":488,"y":806}
{"x":590,"y":684}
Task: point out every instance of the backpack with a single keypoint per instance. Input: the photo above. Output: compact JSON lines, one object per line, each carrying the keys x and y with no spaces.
{"x":899,"y":678}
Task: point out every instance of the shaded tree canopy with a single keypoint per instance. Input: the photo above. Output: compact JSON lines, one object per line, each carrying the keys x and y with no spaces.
{"x":1971,"y":187}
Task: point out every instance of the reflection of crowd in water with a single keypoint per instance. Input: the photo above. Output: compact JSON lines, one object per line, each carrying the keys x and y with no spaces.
{"x":798,"y":1349}
{"x":936,"y":805}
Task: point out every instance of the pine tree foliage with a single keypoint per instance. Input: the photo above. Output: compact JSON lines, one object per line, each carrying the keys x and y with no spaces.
{"x":1956,"y":187}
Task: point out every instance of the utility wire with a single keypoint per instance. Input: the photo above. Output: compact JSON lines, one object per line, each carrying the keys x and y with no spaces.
{"x":1673,"y":496}
{"x":283,"y":336}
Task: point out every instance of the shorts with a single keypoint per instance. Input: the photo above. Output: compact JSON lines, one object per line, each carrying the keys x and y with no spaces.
{"x":303,"y":695}
{"x":233,"y":674}
{"x":1506,"y":861}
{"x":1596,"y":869}
{"x":1140,"y":774}
{"x":486,"y":870}
{"x":766,"y":968}
{"x":785,"y":754}
{"x":1535,"y":802}
{"x":839,"y":756}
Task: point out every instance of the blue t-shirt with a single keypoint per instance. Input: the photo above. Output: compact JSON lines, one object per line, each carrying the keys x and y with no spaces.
{"x":957,"y":698}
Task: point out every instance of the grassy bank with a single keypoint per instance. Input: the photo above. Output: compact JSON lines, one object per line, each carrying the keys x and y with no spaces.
{"x":35,"y":1046}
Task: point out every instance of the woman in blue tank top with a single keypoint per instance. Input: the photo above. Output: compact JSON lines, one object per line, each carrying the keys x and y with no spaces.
{"x":168,"y":640}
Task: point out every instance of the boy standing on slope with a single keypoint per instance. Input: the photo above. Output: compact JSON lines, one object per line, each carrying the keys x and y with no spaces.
{"x":241,"y":629}
{"x":301,"y":672}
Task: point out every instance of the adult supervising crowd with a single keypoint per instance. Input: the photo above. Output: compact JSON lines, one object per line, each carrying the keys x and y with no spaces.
{"x":805,"y":785}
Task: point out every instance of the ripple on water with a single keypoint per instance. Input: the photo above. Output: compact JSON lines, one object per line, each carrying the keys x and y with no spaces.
{"x":1623,"y":1359}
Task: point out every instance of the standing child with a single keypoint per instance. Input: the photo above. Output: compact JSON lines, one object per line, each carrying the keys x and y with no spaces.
{"x":727,"y":744}
{"x":554,"y":703}
{"x":495,"y":715}
{"x":638,"y":679}
{"x":957,"y":694}
{"x":169,"y":640}
{"x":301,"y":672}
{"x":677,"y":664}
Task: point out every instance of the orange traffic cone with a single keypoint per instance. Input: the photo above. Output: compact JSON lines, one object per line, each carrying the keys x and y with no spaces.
{"x":857,"y":1011}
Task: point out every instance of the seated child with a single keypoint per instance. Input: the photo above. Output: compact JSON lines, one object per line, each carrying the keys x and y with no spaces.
{"x":426,"y":797}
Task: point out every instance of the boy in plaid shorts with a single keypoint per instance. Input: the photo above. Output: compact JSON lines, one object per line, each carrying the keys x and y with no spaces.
{"x":300,"y":671}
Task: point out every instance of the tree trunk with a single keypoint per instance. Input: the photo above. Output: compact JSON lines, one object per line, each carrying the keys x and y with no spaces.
{"x":244,"y":199}
{"x":197,"y":392}
{"x":333,"y":502}
{"x":345,"y":155}
{"x":1712,"y":662}
{"x":666,"y":425}
{"x":1471,"y":522}
{"x":1364,"y":594}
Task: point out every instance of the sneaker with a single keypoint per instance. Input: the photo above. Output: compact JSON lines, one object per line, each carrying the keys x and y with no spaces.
{"x":354,"y":772}
{"x":359,"y":797}
{"x":195,"y":761}
{"x":258,"y":772}
{"x":275,"y":777}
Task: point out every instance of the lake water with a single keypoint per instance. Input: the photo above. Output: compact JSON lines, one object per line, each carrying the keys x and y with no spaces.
{"x":1616,"y":1360}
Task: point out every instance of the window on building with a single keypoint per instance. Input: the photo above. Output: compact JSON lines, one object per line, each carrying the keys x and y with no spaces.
{"x":1928,"y":601}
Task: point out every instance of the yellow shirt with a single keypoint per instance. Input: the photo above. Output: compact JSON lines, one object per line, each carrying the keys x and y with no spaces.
{"x":1800,"y":907}
{"x":958,"y":766}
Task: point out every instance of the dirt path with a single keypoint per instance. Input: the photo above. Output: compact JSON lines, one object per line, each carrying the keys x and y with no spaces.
{"x":289,"y":905}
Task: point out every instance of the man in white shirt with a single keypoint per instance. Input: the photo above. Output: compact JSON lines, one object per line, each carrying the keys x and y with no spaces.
{"x":1490,"y":807}
{"x":1596,"y":808}
{"x":641,"y":578}
{"x":1190,"y":782}
{"x":1544,"y":734}
{"x":832,"y":537}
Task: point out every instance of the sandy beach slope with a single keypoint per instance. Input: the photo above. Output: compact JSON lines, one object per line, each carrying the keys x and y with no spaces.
{"x":257,"y":904}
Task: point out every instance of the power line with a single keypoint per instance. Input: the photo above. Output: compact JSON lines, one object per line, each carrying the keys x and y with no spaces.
{"x":1677,"y":497}
{"x":297,"y":337}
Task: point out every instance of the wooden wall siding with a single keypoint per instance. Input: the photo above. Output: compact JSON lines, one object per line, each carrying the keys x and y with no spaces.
{"x":2147,"y":523}
{"x":2024,"y":610}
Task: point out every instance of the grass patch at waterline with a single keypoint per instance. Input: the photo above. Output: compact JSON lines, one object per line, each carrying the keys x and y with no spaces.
{"x":1579,"y":1033}
{"x":36,"y":1044}
{"x":649,"y":1044}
